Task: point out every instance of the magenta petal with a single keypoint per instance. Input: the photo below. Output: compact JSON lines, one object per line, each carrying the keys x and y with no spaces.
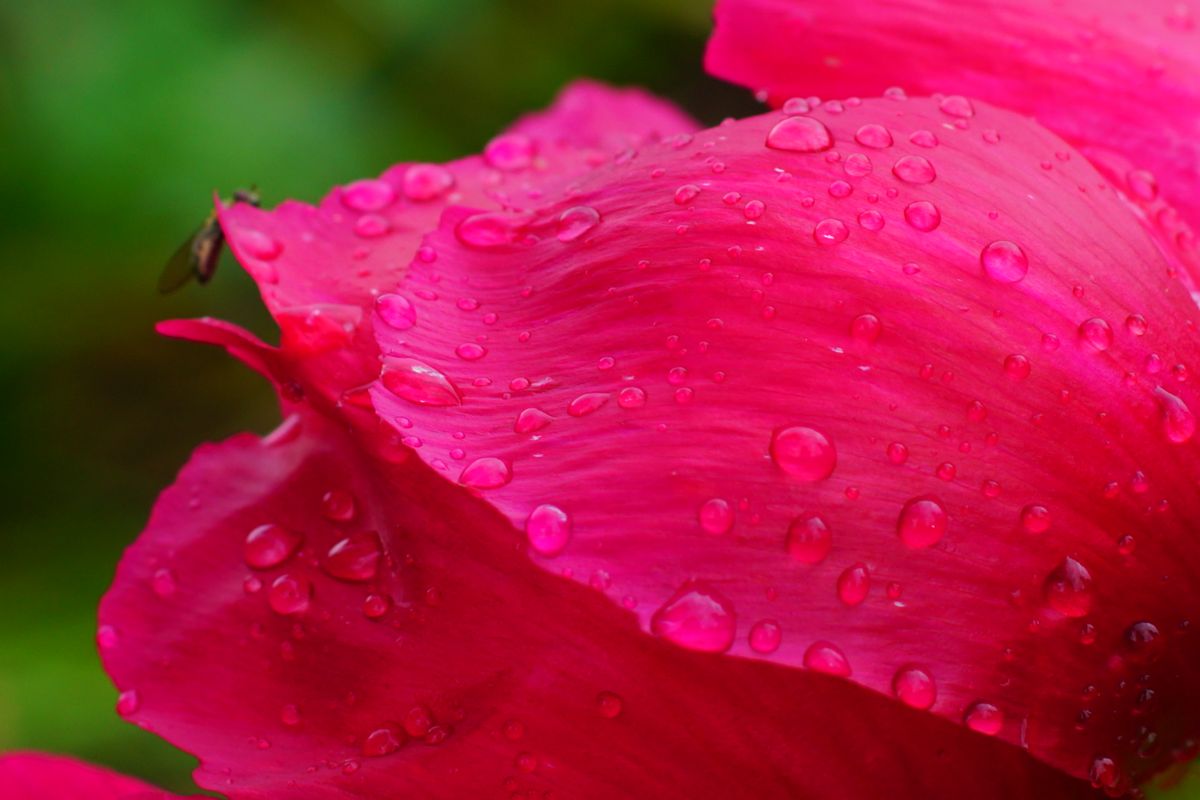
{"x":36,"y":776}
{"x":915,"y":387}
{"x":1119,"y":76}
{"x":457,"y":668}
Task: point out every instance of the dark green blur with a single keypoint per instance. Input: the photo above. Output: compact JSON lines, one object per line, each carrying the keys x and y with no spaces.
{"x":118,"y":119}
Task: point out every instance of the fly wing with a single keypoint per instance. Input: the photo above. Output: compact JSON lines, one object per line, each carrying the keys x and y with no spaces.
{"x":181,"y":267}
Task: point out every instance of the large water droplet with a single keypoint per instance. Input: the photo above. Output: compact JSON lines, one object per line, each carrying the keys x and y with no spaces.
{"x":548,"y":529}
{"x":828,"y":658}
{"x":269,"y":546}
{"x":417,"y":382}
{"x":1068,"y":589}
{"x":804,"y":453}
{"x":914,"y":169}
{"x":1004,"y":261}
{"x":488,"y":230}
{"x":922,"y":522}
{"x":922,"y":215}
{"x":577,"y":221}
{"x":914,"y":687}
{"x":696,"y":617}
{"x":486,"y":473}
{"x":800,"y":135}
{"x":1096,"y":333}
{"x":355,"y":558}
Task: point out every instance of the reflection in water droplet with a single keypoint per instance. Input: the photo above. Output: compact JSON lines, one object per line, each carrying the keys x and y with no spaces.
{"x":417,"y":382}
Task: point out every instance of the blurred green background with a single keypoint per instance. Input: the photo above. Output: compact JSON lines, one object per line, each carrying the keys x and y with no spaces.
{"x":117,"y":121}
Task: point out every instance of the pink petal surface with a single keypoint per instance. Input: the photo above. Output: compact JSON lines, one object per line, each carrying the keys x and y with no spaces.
{"x":459,"y":668}
{"x":970,"y":362}
{"x":36,"y":776}
{"x":1117,"y":75}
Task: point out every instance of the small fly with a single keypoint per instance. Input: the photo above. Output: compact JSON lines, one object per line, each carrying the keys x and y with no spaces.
{"x":198,"y":256}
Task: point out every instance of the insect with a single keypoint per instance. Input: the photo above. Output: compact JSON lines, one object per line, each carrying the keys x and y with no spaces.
{"x":197,"y":257}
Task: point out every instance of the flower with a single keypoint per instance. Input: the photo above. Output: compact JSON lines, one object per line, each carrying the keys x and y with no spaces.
{"x":34,"y":776}
{"x":841,"y":451}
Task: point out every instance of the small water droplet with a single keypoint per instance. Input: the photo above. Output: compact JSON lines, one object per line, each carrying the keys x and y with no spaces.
{"x":587,"y":403}
{"x":914,"y":169}
{"x":1097,"y":333}
{"x":914,"y":687}
{"x":338,"y":505}
{"x":1068,"y":589}
{"x":1035,"y":518}
{"x":548,"y":529}
{"x":1016,"y":366}
{"x":509,"y":152}
{"x":809,"y":539}
{"x":873,"y":135}
{"x":922,"y":522}
{"x":957,"y":106}
{"x":576,"y":222}
{"x":384,"y":740}
{"x":854,"y":584}
{"x":803,"y":453}
{"x":396,"y":311}
{"x":865,"y":328}
{"x":269,"y":546}
{"x":922,"y":215}
{"x":830,"y":231}
{"x":800,"y":134}
{"x":697,"y":617}
{"x":686,"y":194}
{"x":765,"y":636}
{"x":419,"y":383}
{"x":1004,"y":261}
{"x":128,"y":702}
{"x":424,"y":182}
{"x":716,"y":516}
{"x":984,"y":718}
{"x":289,"y":594}
{"x":631,"y":397}
{"x":531,"y":420}
{"x":609,"y":704}
{"x":486,"y":473}
{"x":354,"y":558}
{"x":1179,"y":423}
{"x":826,"y":657}
{"x":368,"y":195}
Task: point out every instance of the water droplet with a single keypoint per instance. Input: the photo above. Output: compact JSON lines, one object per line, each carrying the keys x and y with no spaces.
{"x":809,"y":539}
{"x":696,"y":617}
{"x":577,"y":221}
{"x":587,"y":403}
{"x":1004,"y":261}
{"x":1104,"y":773}
{"x":426,"y":182}
{"x":897,"y":453}
{"x":914,"y":687}
{"x":289,"y":594}
{"x":865,"y":328}
{"x":957,"y":106}
{"x":383,"y":741}
{"x":800,"y":135}
{"x":128,"y":702}
{"x":488,"y":230}
{"x":804,"y":453}
{"x":1097,"y":333}
{"x":289,"y":715}
{"x":355,"y":558}
{"x":914,"y":169}
{"x":922,"y":215}
{"x":857,"y":165}
{"x":754,"y":209}
{"x":269,"y":546}
{"x":470,"y":351}
{"x":873,"y":135}
{"x":1179,"y":424}
{"x":984,"y":718}
{"x":1016,"y":366}
{"x":1035,"y":518}
{"x":107,"y":637}
{"x":368,"y":195}
{"x":631,"y":397}
{"x":376,"y":605}
{"x":830,"y":231}
{"x":1142,"y":184}
{"x":485,"y":473}
{"x":871,"y":219}
{"x":765,"y":636}
{"x":417,"y":382}
{"x":1142,"y":638}
{"x":338,"y":505}
{"x":826,"y":657}
{"x":509,"y":152}
{"x":548,"y":529}
{"x":924,"y":138}
{"x":609,"y":704}
{"x":258,"y":245}
{"x":163,"y":582}
{"x":854,"y":584}
{"x":686,"y":194}
{"x":396,"y":311}
{"x":371,"y":226}
{"x":531,"y":420}
{"x":1068,"y":589}
{"x":716,"y":517}
{"x":922,"y":522}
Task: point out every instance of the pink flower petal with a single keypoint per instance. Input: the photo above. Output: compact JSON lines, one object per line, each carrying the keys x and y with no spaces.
{"x":1119,"y":76}
{"x":36,"y":776}
{"x":461,"y":669}
{"x":766,"y":387}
